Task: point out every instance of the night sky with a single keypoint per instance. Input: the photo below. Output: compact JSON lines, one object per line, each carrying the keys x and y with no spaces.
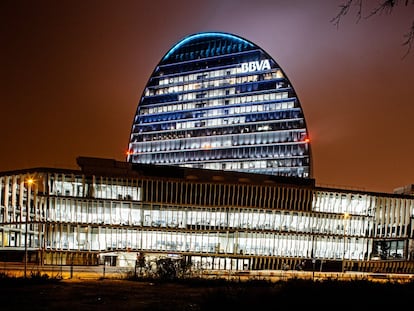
{"x":72,"y":74}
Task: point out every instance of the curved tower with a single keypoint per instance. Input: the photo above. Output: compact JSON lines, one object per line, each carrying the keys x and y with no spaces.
{"x":218,"y":101}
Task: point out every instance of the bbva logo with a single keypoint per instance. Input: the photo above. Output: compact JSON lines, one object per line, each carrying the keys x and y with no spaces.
{"x":255,"y":66}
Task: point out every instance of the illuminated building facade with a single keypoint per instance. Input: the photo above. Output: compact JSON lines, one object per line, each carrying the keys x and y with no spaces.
{"x":216,"y":220}
{"x":218,"y":173}
{"x":217,"y":101}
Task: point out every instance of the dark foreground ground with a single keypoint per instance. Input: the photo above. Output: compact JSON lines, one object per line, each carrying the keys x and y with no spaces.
{"x":117,"y":295}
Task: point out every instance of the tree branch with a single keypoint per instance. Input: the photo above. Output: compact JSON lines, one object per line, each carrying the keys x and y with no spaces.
{"x":344,"y":9}
{"x":409,"y":41}
{"x":385,"y":6}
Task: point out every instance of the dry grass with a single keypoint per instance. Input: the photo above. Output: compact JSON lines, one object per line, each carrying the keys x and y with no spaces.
{"x":118,"y":295}
{"x":115,"y":295}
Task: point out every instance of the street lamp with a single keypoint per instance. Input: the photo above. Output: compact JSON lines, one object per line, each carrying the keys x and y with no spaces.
{"x":29,"y":191}
{"x":313,"y":259}
{"x":345,"y":217}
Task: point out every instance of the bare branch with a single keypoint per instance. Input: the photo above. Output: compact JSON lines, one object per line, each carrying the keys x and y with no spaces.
{"x":359,"y":12}
{"x":384,"y":6}
{"x":344,"y":9}
{"x":342,"y":12}
{"x":410,"y":39}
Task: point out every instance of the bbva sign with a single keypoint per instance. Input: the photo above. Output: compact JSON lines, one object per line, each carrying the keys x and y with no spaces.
{"x":255,"y":66}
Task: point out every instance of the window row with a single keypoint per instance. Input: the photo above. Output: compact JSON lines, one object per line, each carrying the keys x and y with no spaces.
{"x":243,"y":101}
{"x":264,"y":140}
{"x":227,"y":74}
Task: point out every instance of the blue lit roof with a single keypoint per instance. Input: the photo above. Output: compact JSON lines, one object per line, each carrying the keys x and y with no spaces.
{"x":206,"y":36}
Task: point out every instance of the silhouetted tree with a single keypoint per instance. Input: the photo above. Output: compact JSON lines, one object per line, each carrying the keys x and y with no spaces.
{"x":140,"y":263}
{"x":166,"y":269}
{"x":385,"y":247}
{"x":184,"y":268}
{"x":383,"y":6}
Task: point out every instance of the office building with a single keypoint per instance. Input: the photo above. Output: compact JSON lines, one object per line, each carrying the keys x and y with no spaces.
{"x":217,"y":101}
{"x":218,"y":174}
{"x":110,"y":211}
